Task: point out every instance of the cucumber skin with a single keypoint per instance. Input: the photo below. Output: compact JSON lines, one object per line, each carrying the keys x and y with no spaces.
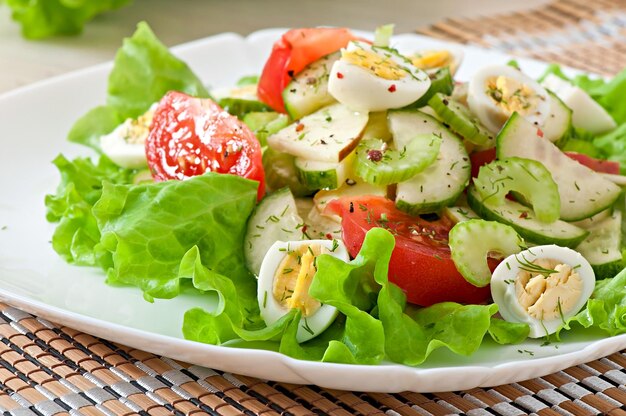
{"x":608,"y":270}
{"x":318,"y":180}
{"x":442,"y":82}
{"x":426,"y":208}
{"x":239,"y":107}
{"x":531,"y":236}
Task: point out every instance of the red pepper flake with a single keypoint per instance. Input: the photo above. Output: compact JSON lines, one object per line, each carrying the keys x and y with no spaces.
{"x":392,"y":88}
{"x":299,"y":127}
{"x":539,"y":132}
{"x":524,"y":214}
{"x":339,"y":75}
{"x":329,"y":236}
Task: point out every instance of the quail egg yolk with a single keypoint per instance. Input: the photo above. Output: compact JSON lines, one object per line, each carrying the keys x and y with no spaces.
{"x":379,"y":65}
{"x":433,"y":60}
{"x":550,"y":290}
{"x":136,"y":131}
{"x":293,"y":279}
{"x":511,"y":95}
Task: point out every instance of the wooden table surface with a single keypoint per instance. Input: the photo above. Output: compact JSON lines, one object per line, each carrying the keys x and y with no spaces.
{"x":23,"y":62}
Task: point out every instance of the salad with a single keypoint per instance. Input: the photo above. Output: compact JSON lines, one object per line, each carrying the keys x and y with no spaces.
{"x":353,"y":203}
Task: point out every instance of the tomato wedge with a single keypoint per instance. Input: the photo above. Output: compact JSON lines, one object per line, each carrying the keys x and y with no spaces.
{"x":190,"y":136}
{"x":421,"y":263}
{"x":296,"y":49}
{"x":599,"y":165}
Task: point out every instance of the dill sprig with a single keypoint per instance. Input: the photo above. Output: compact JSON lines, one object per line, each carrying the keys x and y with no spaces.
{"x":531,"y":267}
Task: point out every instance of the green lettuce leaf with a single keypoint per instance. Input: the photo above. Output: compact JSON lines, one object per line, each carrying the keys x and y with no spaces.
{"x":504,"y":332}
{"x":81,"y":186}
{"x":606,"y":309}
{"x":236,"y":316}
{"x":144,"y":70}
{"x":613,"y":145}
{"x":44,"y":18}
{"x":96,"y":122}
{"x":147,"y":229}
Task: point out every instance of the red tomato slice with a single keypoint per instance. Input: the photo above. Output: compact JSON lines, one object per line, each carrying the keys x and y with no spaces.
{"x":483,"y":157}
{"x":421,"y":264}
{"x":291,"y":54}
{"x":190,"y":136}
{"x":603,"y":166}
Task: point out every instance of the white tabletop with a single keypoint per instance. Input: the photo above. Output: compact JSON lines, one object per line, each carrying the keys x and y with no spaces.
{"x":23,"y":61}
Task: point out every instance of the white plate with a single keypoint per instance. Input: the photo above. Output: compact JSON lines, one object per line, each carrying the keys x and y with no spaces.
{"x":34,"y":121}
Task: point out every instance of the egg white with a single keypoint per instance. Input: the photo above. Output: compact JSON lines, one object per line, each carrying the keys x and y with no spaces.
{"x":125,"y":153}
{"x":492,"y":116}
{"x":586,"y":112}
{"x":272,"y":310}
{"x":503,"y":290}
{"x":361,"y":90}
{"x":122,"y":153}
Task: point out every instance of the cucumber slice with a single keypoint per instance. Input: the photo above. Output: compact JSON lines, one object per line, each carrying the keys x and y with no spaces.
{"x":460,"y":120}
{"x":558,"y":125}
{"x":459,"y":214}
{"x":473,"y":240}
{"x":322,"y":175}
{"x":308,"y":91}
{"x":441,"y":183}
{"x":328,"y":135}
{"x":527,"y":177}
{"x":280,"y":172}
{"x":583,"y":192}
{"x":602,"y":248}
{"x":263,"y":124}
{"x":440,"y":82}
{"x":378,"y":165}
{"x":274,"y":219}
{"x":239,"y":107}
{"x":257,"y":120}
{"x":523,"y":220}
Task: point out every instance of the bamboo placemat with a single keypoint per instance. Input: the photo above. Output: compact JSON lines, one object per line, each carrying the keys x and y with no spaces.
{"x":48,"y":369}
{"x":585,"y":34}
